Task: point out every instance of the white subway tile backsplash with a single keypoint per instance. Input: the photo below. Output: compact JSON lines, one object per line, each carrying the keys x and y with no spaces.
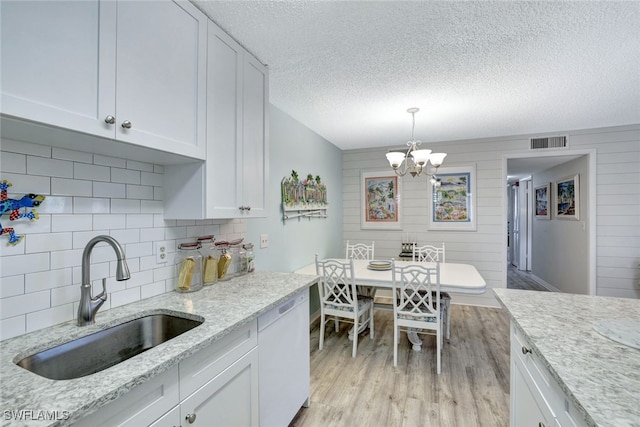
{"x":13,"y":163}
{"x":56,"y":205}
{"x":109,"y":161}
{"x":40,"y":281}
{"x":49,"y":242}
{"x":139,"y":221}
{"x":23,"y":304}
{"x":109,"y":189}
{"x":91,"y":172}
{"x":151,"y":234}
{"x":140,"y":166}
{"x":12,"y":286}
{"x":124,"y":236}
{"x":139,"y":192}
{"x":151,"y":206}
{"x":139,"y":249}
{"x":91,"y":205}
{"x":125,"y":297}
{"x":49,"y":167}
{"x":13,"y":327}
{"x":148,"y":178}
{"x":86,"y":195}
{"x":125,"y":176}
{"x":72,"y":222}
{"x":152,"y":289}
{"x":109,"y":222}
{"x":71,"y":187}
{"x":24,"y":184}
{"x":23,"y":264}
{"x":23,"y":147}
{"x":49,"y":317}
{"x":75,"y":156}
{"x":65,"y":295}
{"x":64,"y":259}
{"x":125,"y":206}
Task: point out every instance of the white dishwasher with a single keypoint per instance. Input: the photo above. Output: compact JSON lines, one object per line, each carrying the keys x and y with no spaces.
{"x":283,"y":361}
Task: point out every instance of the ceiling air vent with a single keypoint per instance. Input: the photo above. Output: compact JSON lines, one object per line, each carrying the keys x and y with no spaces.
{"x":548,"y":142}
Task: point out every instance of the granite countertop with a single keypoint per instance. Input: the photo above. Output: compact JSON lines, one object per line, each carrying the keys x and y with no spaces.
{"x":600,"y":376}
{"x":224,"y":307}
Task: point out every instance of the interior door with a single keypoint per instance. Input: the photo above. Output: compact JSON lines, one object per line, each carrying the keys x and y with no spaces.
{"x":523,"y":224}
{"x":515,"y":225}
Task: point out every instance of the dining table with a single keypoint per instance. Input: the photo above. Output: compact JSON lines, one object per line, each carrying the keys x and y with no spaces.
{"x":454,"y":278}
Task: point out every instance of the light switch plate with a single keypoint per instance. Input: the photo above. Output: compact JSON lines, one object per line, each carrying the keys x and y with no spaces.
{"x":264,"y":241}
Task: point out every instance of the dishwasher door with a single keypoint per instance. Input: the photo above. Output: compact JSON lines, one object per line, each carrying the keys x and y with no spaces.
{"x":283,"y":361}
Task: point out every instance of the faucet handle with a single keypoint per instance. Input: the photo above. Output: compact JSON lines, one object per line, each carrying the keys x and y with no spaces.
{"x":102,"y":295}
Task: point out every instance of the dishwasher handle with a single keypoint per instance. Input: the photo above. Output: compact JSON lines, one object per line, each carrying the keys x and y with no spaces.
{"x":282,"y":310}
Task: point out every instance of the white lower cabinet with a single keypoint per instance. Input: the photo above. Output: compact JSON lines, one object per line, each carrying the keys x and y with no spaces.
{"x":217,"y":386}
{"x":536,"y":398}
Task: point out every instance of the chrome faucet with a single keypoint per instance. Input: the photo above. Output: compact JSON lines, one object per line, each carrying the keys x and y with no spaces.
{"x":89,"y":305}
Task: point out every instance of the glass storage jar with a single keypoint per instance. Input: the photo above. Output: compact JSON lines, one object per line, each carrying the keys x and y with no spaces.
{"x":250,"y":264}
{"x":188,"y":267}
{"x":210,"y":257}
{"x":239,"y":255}
{"x":225,"y":270}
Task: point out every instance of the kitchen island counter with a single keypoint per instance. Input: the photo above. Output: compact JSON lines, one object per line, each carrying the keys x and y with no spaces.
{"x":600,"y":376}
{"x":29,"y":399}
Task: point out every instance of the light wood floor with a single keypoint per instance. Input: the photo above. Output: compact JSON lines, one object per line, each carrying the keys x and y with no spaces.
{"x":517,"y":279}
{"x":472,"y":390}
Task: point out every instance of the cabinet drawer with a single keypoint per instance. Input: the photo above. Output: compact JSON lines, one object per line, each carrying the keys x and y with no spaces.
{"x":521,"y":349}
{"x":139,"y":407}
{"x":196,"y":370}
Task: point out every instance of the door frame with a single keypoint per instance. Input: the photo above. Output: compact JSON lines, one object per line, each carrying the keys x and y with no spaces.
{"x":591,"y":208}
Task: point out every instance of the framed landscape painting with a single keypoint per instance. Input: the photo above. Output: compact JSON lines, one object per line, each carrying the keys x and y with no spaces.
{"x":567,"y":198}
{"x":381,"y":201}
{"x":541,"y":202}
{"x":452,"y":203}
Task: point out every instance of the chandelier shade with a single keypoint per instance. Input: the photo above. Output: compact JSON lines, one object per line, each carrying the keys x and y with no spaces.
{"x":416,"y":159}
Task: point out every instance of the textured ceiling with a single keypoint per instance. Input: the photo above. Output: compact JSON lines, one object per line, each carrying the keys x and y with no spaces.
{"x":350,"y":69}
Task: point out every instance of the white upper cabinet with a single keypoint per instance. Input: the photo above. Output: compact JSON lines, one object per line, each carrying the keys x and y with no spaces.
{"x":237,"y":134}
{"x":233,"y":181}
{"x":131,"y":71}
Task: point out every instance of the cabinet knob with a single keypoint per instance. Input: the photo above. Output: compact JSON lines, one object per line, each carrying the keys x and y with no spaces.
{"x":190,"y":418}
{"x":126,"y":124}
{"x":109,"y":120}
{"x":541,"y":424}
{"x":248,"y":208}
{"x":525,"y":350}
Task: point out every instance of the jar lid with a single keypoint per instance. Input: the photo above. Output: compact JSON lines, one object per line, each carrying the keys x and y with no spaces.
{"x":189,"y":246}
{"x":248,"y":246}
{"x":208,"y":239}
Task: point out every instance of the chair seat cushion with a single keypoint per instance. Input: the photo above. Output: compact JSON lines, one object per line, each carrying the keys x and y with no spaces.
{"x":362,"y":302}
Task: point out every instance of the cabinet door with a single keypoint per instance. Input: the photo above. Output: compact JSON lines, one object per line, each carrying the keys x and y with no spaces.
{"x":255,"y":138}
{"x":230,"y":399}
{"x":161,"y":76}
{"x":527,"y":405}
{"x":58,"y":63}
{"x":224,"y":153}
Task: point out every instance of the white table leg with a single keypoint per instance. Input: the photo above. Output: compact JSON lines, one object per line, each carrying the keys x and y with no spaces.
{"x":415,"y":340}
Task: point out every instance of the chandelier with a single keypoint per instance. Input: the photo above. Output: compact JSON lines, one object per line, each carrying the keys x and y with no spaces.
{"x":415,"y":160}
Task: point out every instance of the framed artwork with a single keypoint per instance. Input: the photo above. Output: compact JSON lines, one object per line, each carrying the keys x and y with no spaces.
{"x":381,"y":201}
{"x":452,"y":204}
{"x":567,"y":198}
{"x":541,"y":201}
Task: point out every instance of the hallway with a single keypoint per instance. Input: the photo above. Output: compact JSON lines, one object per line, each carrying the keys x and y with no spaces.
{"x":517,"y":279}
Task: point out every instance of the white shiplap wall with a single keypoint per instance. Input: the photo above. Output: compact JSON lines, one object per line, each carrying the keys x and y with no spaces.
{"x":617,"y":153}
{"x":86,"y":195}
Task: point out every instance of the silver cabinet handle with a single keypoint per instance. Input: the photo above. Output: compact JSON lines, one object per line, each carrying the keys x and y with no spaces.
{"x":109,"y":120}
{"x":525,"y":350}
{"x":541,"y":424}
{"x":190,"y":418}
{"x":126,"y":124}
{"x":248,"y":208}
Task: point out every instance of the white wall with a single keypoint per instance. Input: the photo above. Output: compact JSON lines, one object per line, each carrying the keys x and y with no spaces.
{"x":560,"y":247}
{"x":293,"y":244}
{"x":86,"y":195}
{"x":617,"y":204}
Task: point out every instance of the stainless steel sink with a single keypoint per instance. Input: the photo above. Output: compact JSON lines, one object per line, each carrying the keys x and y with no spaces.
{"x":101,"y":350}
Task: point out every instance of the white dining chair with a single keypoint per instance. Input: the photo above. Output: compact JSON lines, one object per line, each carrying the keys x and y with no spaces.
{"x":339,"y":299}
{"x":417,"y":306}
{"x":431,"y":253}
{"x":360,"y":251}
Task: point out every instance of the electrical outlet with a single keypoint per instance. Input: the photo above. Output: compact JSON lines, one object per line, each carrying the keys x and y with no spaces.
{"x":264,"y":241}
{"x":161,"y":252}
